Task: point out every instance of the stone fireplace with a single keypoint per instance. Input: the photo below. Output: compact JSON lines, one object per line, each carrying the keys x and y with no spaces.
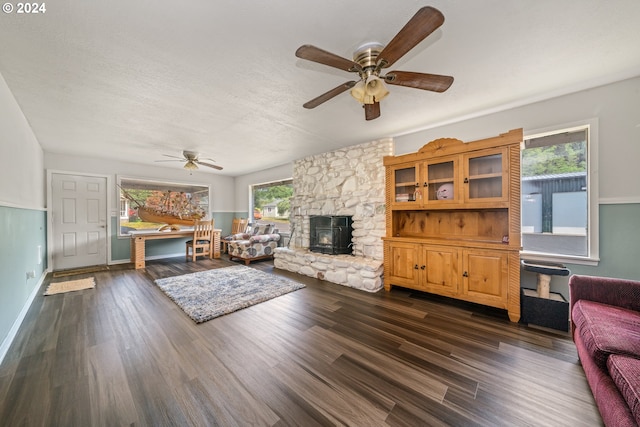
{"x":345,"y":182}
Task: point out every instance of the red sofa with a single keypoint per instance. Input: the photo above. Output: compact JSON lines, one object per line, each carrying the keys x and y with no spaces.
{"x":605,"y":325}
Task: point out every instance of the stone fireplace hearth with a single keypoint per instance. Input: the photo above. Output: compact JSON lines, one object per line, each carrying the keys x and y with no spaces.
{"x":346,"y":182}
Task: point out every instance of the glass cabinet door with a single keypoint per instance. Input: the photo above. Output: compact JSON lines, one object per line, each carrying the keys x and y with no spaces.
{"x":484,"y":176}
{"x":406,"y":182}
{"x":441,"y":183}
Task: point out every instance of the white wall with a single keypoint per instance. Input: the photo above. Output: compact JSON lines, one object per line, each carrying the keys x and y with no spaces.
{"x":617,"y":108}
{"x":21,"y":157}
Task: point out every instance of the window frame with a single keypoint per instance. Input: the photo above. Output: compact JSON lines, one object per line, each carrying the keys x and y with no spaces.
{"x":593,"y":248}
{"x":159,"y":183}
{"x":252,"y":187}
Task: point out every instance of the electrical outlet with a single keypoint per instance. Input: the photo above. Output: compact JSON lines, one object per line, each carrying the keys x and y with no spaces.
{"x":31,"y":274}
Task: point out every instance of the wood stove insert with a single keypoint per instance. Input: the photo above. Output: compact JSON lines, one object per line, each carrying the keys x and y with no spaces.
{"x":330,"y":234}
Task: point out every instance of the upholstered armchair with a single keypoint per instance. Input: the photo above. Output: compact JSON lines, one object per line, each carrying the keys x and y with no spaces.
{"x":259,"y":243}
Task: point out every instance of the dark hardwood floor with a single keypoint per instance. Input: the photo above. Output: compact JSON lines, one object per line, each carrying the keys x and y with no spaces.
{"x":125,"y":354}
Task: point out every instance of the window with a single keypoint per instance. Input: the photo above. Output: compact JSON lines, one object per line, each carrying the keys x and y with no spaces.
{"x":270,"y":203}
{"x":559,"y":210}
{"x":146,"y":204}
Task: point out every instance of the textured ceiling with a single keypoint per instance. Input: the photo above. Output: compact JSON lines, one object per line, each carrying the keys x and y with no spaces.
{"x":133,"y":80}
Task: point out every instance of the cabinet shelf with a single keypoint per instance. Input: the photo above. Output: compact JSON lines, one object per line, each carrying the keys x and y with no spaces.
{"x":479,"y":243}
{"x":440,"y":180}
{"x":485,"y":176}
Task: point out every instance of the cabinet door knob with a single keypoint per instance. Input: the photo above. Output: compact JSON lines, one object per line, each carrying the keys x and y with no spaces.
{"x":416,"y":267}
{"x":425,"y":184}
{"x":417,"y":184}
{"x":466,"y":180}
{"x":465,"y":274}
{"x":423,"y":267}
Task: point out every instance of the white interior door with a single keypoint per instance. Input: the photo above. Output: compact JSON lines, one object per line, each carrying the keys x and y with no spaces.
{"x":79,"y":221}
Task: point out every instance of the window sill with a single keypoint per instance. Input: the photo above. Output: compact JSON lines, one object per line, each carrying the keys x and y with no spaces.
{"x":557,"y":258}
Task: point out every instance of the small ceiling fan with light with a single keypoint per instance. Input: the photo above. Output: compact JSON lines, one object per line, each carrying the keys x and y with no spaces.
{"x":192,"y":160}
{"x":371,"y":58}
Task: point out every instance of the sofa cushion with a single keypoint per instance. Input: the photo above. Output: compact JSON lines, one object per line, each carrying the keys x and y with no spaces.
{"x":606,"y":330}
{"x":611,"y":405}
{"x":625,"y":372}
{"x":262,"y":229}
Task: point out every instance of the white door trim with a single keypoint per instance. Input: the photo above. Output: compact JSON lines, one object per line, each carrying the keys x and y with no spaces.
{"x":50,"y":173}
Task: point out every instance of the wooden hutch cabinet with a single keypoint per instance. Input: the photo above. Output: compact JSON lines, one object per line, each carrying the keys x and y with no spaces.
{"x":453,"y":220}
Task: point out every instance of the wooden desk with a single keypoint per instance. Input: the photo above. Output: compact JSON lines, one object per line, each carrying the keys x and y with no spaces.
{"x":138,"y":239}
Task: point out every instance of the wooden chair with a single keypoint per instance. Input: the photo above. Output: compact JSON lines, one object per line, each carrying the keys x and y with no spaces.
{"x":238,"y":225}
{"x":202,"y":243}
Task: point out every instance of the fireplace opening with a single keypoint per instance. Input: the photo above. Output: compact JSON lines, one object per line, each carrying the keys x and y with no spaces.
{"x":330,"y":234}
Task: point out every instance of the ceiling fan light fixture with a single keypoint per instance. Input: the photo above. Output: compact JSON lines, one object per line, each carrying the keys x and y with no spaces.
{"x":358,"y":92}
{"x":369,"y":99}
{"x":375,"y":87}
{"x":370,"y":90}
{"x":190,"y":165}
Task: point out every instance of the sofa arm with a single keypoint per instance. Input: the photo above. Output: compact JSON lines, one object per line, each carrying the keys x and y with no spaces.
{"x":239,"y":236}
{"x":617,"y":292}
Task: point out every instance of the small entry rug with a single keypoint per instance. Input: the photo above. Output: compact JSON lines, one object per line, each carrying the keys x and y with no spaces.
{"x":70,"y":285}
{"x":209,"y":294}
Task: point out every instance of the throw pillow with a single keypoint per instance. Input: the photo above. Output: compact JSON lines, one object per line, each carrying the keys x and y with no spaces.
{"x":262,"y":229}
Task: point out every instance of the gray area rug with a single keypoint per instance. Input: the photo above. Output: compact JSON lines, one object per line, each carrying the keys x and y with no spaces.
{"x":208,"y":294}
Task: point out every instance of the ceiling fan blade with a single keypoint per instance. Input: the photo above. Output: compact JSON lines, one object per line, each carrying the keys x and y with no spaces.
{"x":173,"y":157}
{"x":176,"y":160}
{"x":330,"y":94}
{"x":315,"y":54}
{"x":423,"y":23}
{"x":209,"y":165}
{"x":432,"y":82}
{"x":372,"y":111}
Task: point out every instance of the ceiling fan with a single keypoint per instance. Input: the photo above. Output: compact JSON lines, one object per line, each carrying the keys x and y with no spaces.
{"x":192,"y":160}
{"x":369,"y":60}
